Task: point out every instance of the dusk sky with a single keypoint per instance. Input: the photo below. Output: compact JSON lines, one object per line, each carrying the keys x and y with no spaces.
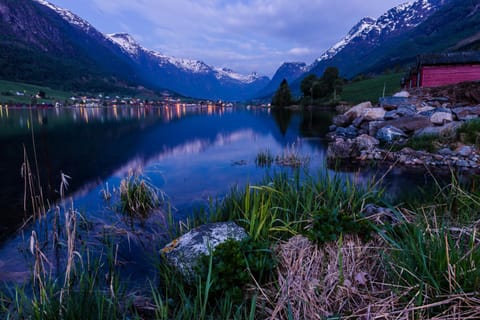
{"x":244,"y":35}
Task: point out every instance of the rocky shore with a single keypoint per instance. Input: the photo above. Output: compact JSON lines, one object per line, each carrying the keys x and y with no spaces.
{"x":382,"y":133}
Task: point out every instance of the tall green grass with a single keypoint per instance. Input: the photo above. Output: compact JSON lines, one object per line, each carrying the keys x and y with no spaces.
{"x":371,"y":89}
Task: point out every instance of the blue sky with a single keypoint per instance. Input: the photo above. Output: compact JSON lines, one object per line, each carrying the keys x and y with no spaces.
{"x":244,"y":35}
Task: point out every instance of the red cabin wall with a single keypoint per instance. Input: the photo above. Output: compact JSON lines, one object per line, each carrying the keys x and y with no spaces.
{"x":434,"y":76}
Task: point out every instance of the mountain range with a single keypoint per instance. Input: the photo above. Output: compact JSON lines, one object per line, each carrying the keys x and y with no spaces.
{"x":42,"y":43}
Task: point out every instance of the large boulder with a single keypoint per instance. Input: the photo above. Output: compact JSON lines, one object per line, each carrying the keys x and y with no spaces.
{"x":342,"y":120}
{"x":373,"y":114}
{"x":342,"y":149}
{"x":466,"y":113}
{"x":390,"y":133}
{"x":446,"y":130}
{"x":183,"y":253}
{"x":402,"y":111}
{"x":392,"y":103}
{"x":402,"y":94}
{"x":409,"y":124}
{"x":366,"y":142}
{"x":348,"y":132}
{"x":441,"y":117}
{"x":357,"y":110}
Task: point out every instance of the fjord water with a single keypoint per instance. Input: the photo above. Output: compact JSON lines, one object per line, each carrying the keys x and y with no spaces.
{"x":192,"y":153}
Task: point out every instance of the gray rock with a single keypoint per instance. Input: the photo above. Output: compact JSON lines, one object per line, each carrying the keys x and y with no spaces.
{"x":357,"y":110}
{"x":342,"y":120}
{"x":464,"y":151}
{"x":392,"y":103}
{"x":348,"y":132}
{"x":445,"y":152}
{"x":342,"y":149}
{"x":409,"y":124}
{"x":390,"y":134}
{"x":183,"y":253}
{"x":466,"y":113}
{"x":366,"y":142}
{"x":381,"y":215}
{"x":440,"y":118}
{"x":373,"y":114}
{"x":402,"y":111}
{"x":402,"y":94}
{"x":439,"y":131}
{"x":373,"y":127}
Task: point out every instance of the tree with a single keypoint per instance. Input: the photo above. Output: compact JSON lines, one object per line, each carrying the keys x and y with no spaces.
{"x":283,"y":96}
{"x":307,"y":85}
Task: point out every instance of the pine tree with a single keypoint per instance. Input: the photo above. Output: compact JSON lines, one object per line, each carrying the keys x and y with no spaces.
{"x":283,"y":96}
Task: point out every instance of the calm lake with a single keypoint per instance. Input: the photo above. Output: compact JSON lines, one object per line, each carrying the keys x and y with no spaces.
{"x":193,"y":154}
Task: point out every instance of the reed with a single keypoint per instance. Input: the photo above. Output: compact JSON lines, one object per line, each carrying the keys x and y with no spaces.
{"x":138,"y":197}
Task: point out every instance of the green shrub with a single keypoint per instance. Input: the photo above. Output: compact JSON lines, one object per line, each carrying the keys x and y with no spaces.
{"x":235,"y":264}
{"x":329,"y":225}
{"x":469,"y":132}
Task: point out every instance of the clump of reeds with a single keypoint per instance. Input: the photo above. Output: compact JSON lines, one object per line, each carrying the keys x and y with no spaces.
{"x":138,"y":197}
{"x":291,"y":157}
{"x":264,"y":158}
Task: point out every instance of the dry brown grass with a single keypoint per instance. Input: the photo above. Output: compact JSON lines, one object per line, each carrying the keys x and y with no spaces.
{"x":340,"y":278}
{"x":347,"y":280}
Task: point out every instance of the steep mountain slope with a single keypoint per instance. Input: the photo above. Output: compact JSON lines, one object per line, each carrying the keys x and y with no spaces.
{"x":42,"y":43}
{"x":366,"y":43}
{"x":190,"y":77}
{"x":289,"y":71}
{"x":38,"y":45}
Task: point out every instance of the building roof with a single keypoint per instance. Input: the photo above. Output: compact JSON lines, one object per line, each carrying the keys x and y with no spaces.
{"x":471,"y":57}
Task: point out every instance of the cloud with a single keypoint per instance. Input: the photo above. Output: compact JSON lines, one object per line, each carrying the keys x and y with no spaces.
{"x":220,"y":31}
{"x":299,"y":51}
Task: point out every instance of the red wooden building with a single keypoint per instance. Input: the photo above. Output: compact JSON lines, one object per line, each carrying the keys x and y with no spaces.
{"x":436,"y":70}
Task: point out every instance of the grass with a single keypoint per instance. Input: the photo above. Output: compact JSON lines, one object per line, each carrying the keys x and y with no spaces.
{"x":138,"y":197}
{"x":8,"y":90}
{"x":469,"y":132}
{"x":306,"y":258}
{"x":371,"y":89}
{"x":264,"y":158}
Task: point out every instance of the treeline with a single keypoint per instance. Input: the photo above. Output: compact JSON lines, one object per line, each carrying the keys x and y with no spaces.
{"x":315,"y":90}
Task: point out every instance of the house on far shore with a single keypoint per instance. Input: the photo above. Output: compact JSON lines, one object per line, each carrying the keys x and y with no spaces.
{"x":435,"y":70}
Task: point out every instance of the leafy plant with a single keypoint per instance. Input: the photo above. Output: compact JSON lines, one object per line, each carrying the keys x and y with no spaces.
{"x":469,"y":132}
{"x":235,"y":264}
{"x":329,"y":225}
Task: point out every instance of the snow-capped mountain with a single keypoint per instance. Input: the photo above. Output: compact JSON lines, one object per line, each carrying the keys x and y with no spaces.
{"x":69,"y":52}
{"x":190,"y":77}
{"x":361,"y":29}
{"x":373,"y":32}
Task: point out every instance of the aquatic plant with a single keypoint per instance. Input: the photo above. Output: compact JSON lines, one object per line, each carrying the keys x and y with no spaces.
{"x":291,"y":157}
{"x":264,"y":158}
{"x":138,"y":197}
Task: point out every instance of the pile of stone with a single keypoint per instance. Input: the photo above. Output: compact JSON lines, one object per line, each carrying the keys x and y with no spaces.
{"x":357,"y":134}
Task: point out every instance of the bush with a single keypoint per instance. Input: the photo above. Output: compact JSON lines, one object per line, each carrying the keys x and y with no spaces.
{"x":234,"y":266}
{"x":329,"y":225}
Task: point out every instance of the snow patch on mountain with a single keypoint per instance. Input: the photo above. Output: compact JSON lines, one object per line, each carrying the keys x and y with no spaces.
{"x":360,"y":30}
{"x":126,"y":42}
{"x":68,"y":16}
{"x":222,"y":73}
{"x":405,"y":16}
